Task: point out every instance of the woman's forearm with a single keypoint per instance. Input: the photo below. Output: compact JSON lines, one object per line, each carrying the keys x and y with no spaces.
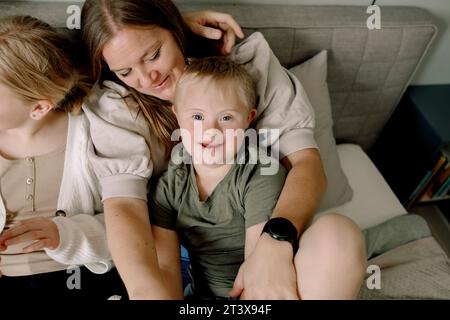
{"x":303,"y":189}
{"x":168,"y":250}
{"x":132,"y":248}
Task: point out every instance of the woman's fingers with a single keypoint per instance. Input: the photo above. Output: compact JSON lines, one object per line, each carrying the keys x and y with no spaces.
{"x":206,"y":31}
{"x":229,"y":38}
{"x":238,"y":285}
{"x":216,"y":26}
{"x":219,"y":18}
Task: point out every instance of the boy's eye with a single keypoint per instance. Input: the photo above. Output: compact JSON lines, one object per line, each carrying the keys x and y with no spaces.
{"x":226,"y":118}
{"x":197,"y":117}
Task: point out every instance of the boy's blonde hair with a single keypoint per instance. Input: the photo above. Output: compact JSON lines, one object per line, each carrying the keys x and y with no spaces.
{"x":221,"y":70}
{"x":35,"y":64}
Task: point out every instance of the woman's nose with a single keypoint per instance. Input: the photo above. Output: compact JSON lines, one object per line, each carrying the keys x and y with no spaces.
{"x":148,"y":79}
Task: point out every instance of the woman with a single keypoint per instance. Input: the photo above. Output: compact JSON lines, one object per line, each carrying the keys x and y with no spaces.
{"x":143,"y":46}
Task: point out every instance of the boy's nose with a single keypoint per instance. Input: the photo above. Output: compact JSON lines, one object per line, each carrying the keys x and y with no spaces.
{"x":210,"y":134}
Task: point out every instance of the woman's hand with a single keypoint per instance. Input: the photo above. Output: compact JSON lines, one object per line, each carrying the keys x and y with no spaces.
{"x":268,"y":273}
{"x":43,"y":231}
{"x":215,"y":25}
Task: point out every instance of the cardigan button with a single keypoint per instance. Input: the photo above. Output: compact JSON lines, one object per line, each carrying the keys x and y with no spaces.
{"x":60,"y":213}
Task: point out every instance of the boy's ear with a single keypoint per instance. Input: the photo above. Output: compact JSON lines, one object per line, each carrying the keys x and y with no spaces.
{"x":251,"y":115}
{"x":40,"y":109}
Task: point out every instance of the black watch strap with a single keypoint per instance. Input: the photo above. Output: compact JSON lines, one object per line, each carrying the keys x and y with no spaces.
{"x":283,"y":230}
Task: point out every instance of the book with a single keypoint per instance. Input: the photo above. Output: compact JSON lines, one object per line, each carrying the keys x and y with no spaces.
{"x":427,"y":180}
{"x":435,"y":188}
{"x":443,"y":189}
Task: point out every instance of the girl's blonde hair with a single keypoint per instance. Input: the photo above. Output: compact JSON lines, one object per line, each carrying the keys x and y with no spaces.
{"x":35,"y":63}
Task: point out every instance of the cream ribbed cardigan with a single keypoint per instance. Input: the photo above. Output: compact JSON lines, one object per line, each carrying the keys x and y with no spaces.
{"x":82,"y":232}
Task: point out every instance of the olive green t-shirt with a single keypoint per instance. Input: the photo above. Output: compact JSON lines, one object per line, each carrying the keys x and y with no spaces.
{"x":213,"y":231}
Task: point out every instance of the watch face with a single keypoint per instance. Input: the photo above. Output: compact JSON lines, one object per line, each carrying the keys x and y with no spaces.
{"x":282,"y":228}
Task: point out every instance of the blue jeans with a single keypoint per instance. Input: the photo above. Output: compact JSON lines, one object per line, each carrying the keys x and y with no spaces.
{"x":185,"y":263}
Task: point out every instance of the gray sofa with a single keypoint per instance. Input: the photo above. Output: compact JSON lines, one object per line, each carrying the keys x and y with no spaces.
{"x":368,"y":70}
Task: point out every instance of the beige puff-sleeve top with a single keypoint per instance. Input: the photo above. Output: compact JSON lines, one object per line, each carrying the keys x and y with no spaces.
{"x":127,"y":153}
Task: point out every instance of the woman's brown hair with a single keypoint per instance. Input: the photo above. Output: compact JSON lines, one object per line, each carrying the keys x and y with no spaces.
{"x":35,"y":63}
{"x":102,"y":19}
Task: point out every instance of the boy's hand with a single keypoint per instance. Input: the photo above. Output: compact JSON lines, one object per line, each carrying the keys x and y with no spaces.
{"x":215,"y":25}
{"x":41,"y":230}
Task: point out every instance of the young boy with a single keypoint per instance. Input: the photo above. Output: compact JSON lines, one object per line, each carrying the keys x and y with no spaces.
{"x":213,"y":201}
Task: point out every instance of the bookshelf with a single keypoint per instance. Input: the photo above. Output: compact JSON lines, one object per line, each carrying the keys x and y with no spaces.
{"x":413,"y":150}
{"x":436,"y":183}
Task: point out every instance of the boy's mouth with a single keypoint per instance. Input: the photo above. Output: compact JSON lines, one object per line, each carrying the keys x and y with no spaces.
{"x":210,"y":145}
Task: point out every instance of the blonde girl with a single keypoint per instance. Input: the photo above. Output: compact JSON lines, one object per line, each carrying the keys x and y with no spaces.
{"x":50,"y":202}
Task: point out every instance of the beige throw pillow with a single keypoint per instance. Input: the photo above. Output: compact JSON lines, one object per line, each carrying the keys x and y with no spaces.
{"x":313,"y":76}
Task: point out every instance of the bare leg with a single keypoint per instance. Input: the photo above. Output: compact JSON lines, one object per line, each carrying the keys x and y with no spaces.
{"x":331,"y":262}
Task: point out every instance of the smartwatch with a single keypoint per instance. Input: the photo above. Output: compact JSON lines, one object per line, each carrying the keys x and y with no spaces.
{"x":283,"y":230}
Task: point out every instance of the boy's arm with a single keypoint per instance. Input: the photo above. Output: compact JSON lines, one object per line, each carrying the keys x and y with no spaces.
{"x":252,"y":235}
{"x":269,"y":271}
{"x":260,"y":196}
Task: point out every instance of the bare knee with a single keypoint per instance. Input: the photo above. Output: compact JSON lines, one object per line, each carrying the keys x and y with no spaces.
{"x":331,"y":262}
{"x":335,"y":235}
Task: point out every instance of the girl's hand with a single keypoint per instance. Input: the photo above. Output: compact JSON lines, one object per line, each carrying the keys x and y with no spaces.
{"x":215,"y":25}
{"x":41,"y":230}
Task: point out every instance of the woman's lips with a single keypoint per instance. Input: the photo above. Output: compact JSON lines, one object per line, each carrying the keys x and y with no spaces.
{"x":162,"y":84}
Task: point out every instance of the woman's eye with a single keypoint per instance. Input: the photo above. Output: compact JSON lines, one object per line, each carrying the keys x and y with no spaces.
{"x":124,"y":74}
{"x":197,"y":117}
{"x":155,"y":56}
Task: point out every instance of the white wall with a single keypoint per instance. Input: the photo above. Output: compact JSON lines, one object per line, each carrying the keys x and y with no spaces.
{"x":435,"y":68}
